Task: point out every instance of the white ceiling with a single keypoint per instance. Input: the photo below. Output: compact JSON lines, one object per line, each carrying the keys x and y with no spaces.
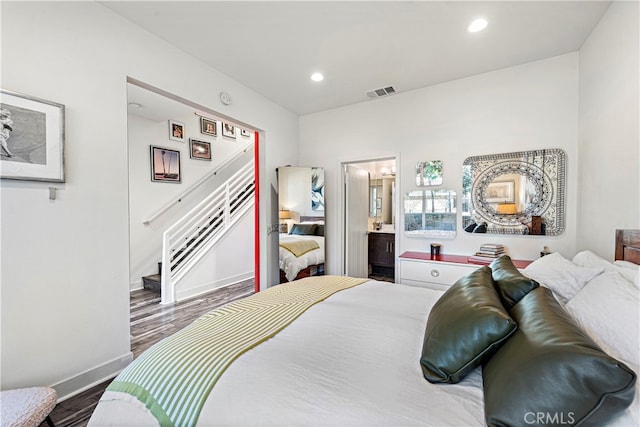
{"x":273,"y":47}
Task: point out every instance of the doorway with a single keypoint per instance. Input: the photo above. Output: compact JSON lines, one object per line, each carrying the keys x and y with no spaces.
{"x":370,"y":218}
{"x":151,"y":112}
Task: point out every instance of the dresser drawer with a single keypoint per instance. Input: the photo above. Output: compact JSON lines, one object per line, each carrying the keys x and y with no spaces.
{"x":432,"y":272}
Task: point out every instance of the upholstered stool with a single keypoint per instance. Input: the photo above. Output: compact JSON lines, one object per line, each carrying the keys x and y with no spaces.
{"x":27,"y":407}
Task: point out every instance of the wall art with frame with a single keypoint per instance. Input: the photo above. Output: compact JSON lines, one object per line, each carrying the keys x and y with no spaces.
{"x":208,"y":126}
{"x":200,"y":150}
{"x":165,"y":165}
{"x":500,"y":192}
{"x":176,"y":131}
{"x":31,"y":138}
{"x":228,"y":130}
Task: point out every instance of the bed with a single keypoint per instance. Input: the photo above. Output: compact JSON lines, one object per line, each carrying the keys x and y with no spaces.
{"x":310,"y":263}
{"x":354,"y":355}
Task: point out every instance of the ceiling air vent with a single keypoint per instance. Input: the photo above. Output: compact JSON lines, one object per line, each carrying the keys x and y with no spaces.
{"x":377,"y":93}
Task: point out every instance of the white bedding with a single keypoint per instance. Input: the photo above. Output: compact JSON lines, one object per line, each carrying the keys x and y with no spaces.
{"x":350,"y":360}
{"x":291,"y":264}
{"x":353,"y":360}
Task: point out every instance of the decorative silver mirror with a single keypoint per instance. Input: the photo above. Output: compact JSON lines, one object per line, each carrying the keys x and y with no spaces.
{"x":429,"y":173}
{"x":430,"y":213}
{"x":515,"y":193}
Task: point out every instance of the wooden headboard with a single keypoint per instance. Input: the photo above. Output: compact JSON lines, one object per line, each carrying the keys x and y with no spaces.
{"x":628,"y":245}
{"x":311,"y":218}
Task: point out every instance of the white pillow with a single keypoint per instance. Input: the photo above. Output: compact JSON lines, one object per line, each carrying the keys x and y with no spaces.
{"x":629,"y":271}
{"x":608,"y":308}
{"x":589,"y":259}
{"x":560,"y":275}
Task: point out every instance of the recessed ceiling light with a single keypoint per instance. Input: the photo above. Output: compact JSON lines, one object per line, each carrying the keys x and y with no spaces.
{"x":317,"y":77}
{"x":134,"y":105}
{"x":477,"y":25}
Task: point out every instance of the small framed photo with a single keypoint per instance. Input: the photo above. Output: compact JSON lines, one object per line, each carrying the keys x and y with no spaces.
{"x":500,"y":192}
{"x":200,"y":149}
{"x":165,"y":165}
{"x":208,"y":126}
{"x":176,"y":131}
{"x":31,"y":138}
{"x":244,"y":132}
{"x":228,"y":130}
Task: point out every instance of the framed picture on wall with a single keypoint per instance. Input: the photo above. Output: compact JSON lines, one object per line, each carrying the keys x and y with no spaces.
{"x":317,"y":189}
{"x":500,"y":192}
{"x":31,"y":138}
{"x":176,"y":131}
{"x":165,"y":165}
{"x":244,"y":132}
{"x":200,"y":150}
{"x":228,"y":130}
{"x":208,"y":126}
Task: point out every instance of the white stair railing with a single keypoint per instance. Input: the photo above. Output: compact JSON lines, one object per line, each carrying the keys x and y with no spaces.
{"x":190,"y":238}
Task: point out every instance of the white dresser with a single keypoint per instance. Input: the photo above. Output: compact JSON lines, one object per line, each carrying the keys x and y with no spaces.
{"x":438,"y":272}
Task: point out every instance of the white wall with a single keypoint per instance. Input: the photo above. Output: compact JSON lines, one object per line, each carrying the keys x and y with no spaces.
{"x":226,"y":263}
{"x":527,"y":107}
{"x":146,"y":196}
{"x":609,"y":141}
{"x":65,"y":263}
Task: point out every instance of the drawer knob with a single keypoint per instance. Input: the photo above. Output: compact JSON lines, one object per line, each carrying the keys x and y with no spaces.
{"x":435,"y":273}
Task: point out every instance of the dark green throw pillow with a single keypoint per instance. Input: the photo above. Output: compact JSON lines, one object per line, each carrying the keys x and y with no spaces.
{"x":465,"y":327}
{"x":511,"y":284}
{"x":550,"y":372}
{"x":304,"y":229}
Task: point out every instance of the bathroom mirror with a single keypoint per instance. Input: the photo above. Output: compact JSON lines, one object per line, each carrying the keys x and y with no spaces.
{"x":430,"y":213}
{"x":381,"y":191}
{"x":301,"y":222}
{"x":515,"y":193}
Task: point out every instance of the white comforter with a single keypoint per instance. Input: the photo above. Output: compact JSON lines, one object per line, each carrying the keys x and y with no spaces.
{"x":352,"y":360}
{"x":291,"y":264}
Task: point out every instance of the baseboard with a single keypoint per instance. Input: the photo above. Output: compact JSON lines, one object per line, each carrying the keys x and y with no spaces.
{"x":134,"y":286}
{"x":206,"y":287}
{"x":92,"y":377}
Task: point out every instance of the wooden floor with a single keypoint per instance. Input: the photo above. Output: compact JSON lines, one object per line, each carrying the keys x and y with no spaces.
{"x":150,"y":322}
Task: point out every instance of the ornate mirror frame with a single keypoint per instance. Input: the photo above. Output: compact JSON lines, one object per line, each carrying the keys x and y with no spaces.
{"x":532,"y":184}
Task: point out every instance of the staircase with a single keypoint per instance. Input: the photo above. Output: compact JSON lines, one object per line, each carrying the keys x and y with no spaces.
{"x":189,"y":239}
{"x":153,"y":282}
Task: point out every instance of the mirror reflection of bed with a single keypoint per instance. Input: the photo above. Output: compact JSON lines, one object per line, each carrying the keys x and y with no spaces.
{"x":301,"y":214}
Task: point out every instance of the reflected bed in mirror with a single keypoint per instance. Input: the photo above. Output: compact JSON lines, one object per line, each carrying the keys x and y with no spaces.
{"x":515,"y":193}
{"x":301,"y":213}
{"x":430,"y":213}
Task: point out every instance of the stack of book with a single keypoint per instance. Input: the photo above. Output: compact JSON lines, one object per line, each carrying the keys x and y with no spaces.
{"x":487,"y":253}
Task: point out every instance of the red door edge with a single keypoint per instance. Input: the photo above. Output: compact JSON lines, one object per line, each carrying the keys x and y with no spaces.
{"x":256,"y":169}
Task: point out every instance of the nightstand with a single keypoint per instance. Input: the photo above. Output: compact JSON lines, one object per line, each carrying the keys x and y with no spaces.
{"x":438,"y":272}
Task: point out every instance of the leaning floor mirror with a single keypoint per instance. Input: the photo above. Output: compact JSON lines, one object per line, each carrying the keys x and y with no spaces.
{"x":301,"y":216}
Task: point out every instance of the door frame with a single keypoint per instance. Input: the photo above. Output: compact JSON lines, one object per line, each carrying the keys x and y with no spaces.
{"x":342,"y":205}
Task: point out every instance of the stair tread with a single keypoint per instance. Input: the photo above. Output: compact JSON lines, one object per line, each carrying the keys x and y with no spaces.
{"x":155,"y":277}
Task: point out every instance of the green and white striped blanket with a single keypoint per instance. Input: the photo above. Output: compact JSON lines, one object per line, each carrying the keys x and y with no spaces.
{"x":174,"y":377}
